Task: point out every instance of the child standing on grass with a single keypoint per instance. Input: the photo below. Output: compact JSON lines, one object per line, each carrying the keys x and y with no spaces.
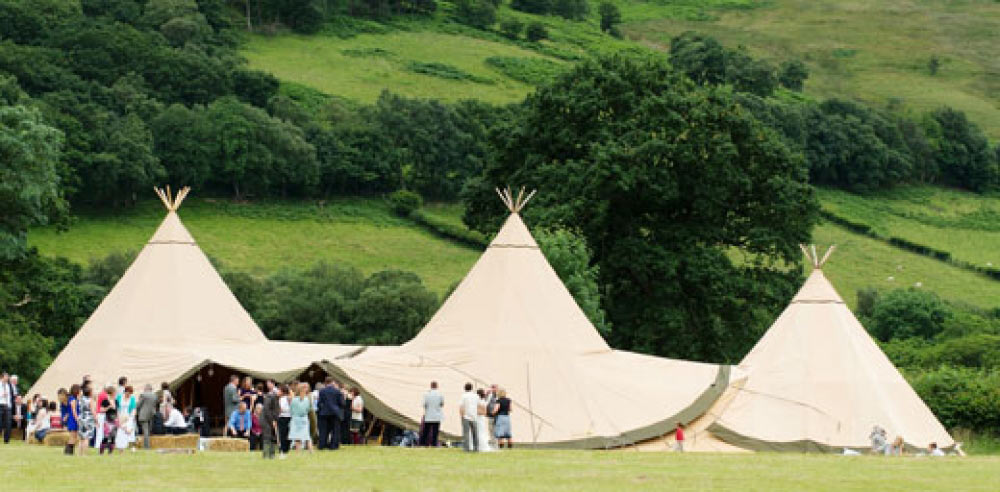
{"x":679,"y":437}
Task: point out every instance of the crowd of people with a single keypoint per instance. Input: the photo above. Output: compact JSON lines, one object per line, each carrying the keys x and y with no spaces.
{"x":881,"y":445}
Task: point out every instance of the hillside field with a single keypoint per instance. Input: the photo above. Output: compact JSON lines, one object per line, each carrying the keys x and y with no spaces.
{"x":385,"y":468}
{"x":877,"y":52}
{"x":262,"y":238}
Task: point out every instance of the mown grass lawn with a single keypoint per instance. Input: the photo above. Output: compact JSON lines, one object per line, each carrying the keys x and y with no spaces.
{"x":381,"y":468}
{"x":264,"y":237}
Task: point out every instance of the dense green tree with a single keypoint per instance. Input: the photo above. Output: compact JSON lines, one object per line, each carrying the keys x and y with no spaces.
{"x":512,"y":28}
{"x":30,"y":192}
{"x":571,"y":9}
{"x":653,"y":192}
{"x":570,"y":257}
{"x":532,"y":6}
{"x":536,"y":32}
{"x":477,"y":13}
{"x":906,"y":313}
{"x":255,"y":87}
{"x":392,"y":307}
{"x":706,"y":61}
{"x":184,"y":143}
{"x":610,"y":17}
{"x":793,"y":74}
{"x":961,"y":151}
{"x":310,"y":306}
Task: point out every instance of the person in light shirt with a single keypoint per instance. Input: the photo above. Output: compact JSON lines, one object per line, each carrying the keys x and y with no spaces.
{"x":468,"y":409}
{"x":175,"y":423}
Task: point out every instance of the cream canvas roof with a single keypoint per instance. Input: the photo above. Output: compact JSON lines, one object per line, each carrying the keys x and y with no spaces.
{"x":512,"y":322}
{"x":169,"y":311}
{"x":817,"y":381}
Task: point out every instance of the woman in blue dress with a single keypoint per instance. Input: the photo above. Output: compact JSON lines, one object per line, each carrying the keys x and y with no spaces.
{"x":68,"y":406}
{"x":298,"y":429}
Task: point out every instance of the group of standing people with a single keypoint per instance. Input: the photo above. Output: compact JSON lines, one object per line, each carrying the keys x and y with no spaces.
{"x":292,"y":416}
{"x":484,"y":414}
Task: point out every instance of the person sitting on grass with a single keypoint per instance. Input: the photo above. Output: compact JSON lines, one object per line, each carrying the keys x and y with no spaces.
{"x":240,"y":422}
{"x":934,"y":450}
{"x":175,"y":423}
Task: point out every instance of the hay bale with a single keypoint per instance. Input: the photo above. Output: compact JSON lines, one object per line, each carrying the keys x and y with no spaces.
{"x":161,"y":442}
{"x":183,"y":441}
{"x":56,"y":438}
{"x":227,"y":444}
{"x":186,"y":441}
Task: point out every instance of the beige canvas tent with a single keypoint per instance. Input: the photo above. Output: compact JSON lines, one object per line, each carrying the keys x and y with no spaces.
{"x":818,"y":382}
{"x":512,"y":322}
{"x":170,"y":315}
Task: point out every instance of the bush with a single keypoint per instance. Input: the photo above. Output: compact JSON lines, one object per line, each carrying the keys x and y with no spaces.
{"x":404,"y":202}
{"x":476,"y":13}
{"x":906,"y":313}
{"x":961,"y":397}
{"x":534,"y":71}
{"x":793,"y":74}
{"x":540,"y":7}
{"x":512,"y":28}
{"x":537,"y":32}
{"x":450,"y":231}
{"x":610,"y":16}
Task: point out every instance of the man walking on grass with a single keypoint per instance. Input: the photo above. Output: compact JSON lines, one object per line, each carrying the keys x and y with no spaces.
{"x":468,"y":409}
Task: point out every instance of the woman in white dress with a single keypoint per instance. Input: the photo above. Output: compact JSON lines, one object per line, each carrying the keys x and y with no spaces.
{"x":482,"y":429}
{"x":126,"y":419}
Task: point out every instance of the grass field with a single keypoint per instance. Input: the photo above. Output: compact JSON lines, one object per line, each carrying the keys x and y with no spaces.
{"x":963,"y":224}
{"x":262,"y":238}
{"x":360,"y":67}
{"x":380,"y":468}
{"x":874,"y":51}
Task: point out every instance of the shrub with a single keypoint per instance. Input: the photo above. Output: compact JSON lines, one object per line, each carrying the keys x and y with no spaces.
{"x":512,"y":28}
{"x":476,"y":13}
{"x":610,"y":16}
{"x":404,"y":202}
{"x":537,"y":32}
{"x":905,"y":313}
{"x":961,"y":397}
{"x":534,"y":71}
{"x":793,"y":74}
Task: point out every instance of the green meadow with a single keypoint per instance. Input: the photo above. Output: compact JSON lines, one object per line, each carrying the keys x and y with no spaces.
{"x":384,"y":468}
{"x":875,"y":51}
{"x":262,"y":238}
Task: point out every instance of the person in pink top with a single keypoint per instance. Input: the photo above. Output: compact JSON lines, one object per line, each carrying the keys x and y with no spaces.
{"x":679,"y":437}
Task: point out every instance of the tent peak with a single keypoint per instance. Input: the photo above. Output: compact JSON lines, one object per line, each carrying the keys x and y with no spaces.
{"x":514,"y":203}
{"x":169,"y":200}
{"x":814,"y":259}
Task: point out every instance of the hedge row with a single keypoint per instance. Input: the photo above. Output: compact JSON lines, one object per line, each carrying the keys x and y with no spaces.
{"x":920,"y":249}
{"x":449,"y":230}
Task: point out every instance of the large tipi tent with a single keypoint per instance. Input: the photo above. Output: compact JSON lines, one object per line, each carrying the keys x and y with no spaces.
{"x":818,"y":382}
{"x":512,"y":322}
{"x":169,"y":315}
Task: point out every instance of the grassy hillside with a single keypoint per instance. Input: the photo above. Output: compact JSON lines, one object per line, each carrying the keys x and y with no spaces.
{"x":873,"y":51}
{"x":263,"y":238}
{"x":362,"y":232}
{"x":965,"y":225}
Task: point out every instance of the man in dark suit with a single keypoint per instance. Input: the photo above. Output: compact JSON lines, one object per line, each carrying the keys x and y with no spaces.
{"x":329,"y":413}
{"x":19,"y":416}
{"x":6,"y":406}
